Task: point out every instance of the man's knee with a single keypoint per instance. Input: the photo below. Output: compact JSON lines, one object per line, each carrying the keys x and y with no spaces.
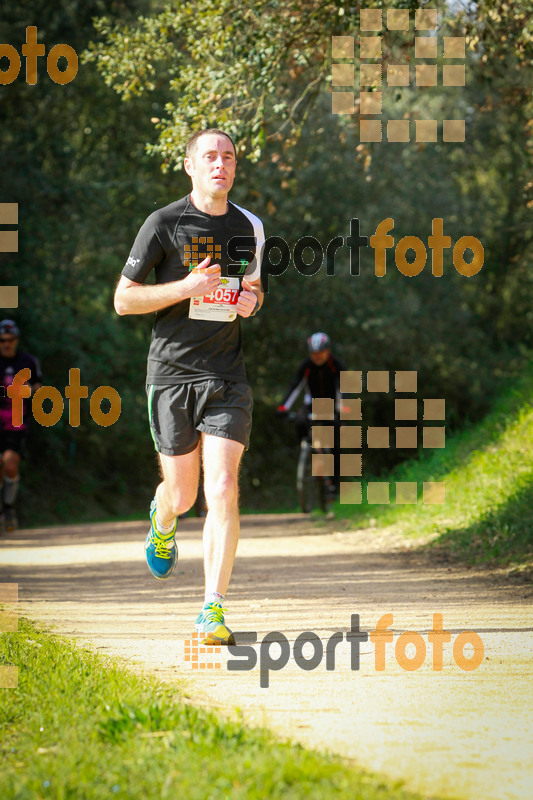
{"x":180,"y":481}
{"x":222,"y":489}
{"x":180,"y":499}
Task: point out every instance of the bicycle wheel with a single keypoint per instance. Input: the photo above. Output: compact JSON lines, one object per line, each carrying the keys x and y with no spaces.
{"x":305,"y":482}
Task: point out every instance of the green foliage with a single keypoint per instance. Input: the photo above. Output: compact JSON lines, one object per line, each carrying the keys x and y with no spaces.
{"x":255,"y":70}
{"x":78,"y":726}
{"x":85,"y":183}
{"x":488,"y":472}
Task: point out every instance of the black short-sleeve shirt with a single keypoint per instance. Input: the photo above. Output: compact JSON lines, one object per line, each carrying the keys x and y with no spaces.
{"x":8,"y":369}
{"x":170,"y":242}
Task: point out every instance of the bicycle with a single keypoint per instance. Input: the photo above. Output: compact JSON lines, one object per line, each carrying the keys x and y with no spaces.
{"x":309,"y":487}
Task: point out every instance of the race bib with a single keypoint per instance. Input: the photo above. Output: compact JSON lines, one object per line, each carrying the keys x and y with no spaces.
{"x":219,"y":305}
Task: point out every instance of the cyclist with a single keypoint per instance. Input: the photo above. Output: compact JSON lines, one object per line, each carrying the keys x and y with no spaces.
{"x":317,"y":376}
{"x":12,"y":440}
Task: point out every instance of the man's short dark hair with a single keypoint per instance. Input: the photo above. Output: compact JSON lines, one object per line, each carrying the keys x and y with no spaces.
{"x":193,"y":141}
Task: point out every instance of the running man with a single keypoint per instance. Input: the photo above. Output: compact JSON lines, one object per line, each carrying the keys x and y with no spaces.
{"x":199,"y":398}
{"x":12,"y":439}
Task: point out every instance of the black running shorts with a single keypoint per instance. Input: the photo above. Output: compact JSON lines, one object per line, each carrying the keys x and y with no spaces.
{"x":179,"y":413}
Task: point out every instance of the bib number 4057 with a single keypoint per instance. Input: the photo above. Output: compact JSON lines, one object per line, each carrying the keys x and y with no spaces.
{"x":222,"y":295}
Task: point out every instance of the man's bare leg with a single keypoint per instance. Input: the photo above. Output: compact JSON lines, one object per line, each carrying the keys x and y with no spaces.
{"x":174,"y":495}
{"x":221,"y":459}
{"x":177,"y":492}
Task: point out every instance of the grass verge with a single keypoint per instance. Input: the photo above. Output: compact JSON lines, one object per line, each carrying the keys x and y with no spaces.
{"x":79,"y":726}
{"x":488,"y":471}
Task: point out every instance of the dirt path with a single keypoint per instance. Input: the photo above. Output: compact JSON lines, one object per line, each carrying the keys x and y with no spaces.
{"x":463,"y":734}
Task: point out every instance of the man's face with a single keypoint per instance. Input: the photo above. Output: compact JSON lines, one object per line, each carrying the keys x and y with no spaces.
{"x":8,"y":345}
{"x":321,"y":357}
{"x":212,"y":165}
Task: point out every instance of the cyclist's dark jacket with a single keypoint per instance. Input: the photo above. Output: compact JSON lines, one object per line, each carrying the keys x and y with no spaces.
{"x":8,"y":369}
{"x":323,"y":381}
{"x":184,"y":349}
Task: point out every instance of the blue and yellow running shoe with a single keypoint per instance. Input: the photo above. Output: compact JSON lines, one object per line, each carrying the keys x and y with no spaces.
{"x":210,"y":621}
{"x":161,"y":550}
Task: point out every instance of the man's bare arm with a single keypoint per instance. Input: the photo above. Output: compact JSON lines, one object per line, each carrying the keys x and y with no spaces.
{"x":139,"y":298}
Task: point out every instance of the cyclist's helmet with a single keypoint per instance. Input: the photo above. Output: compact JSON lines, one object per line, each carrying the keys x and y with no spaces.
{"x":7,"y":326}
{"x":317,"y":342}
